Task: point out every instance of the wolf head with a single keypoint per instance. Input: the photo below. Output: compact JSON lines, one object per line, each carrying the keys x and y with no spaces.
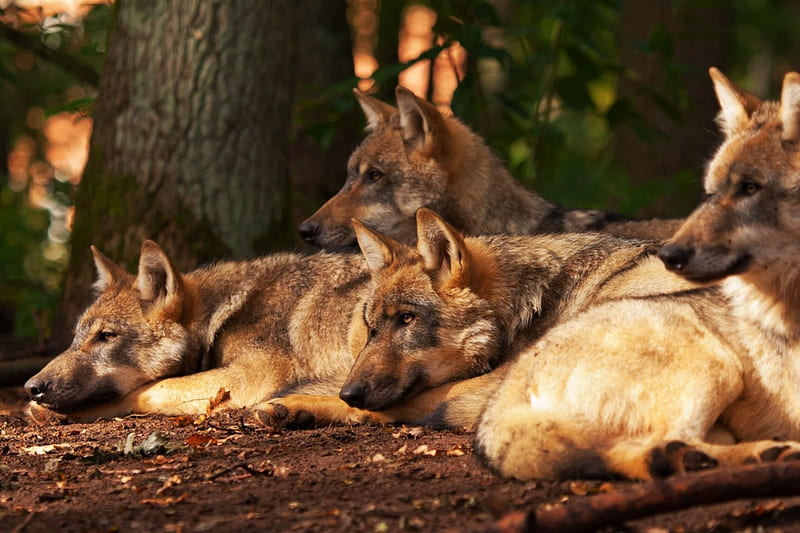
{"x":749,"y":222}
{"x":130,"y":335}
{"x":427,"y":325}
{"x":403,"y":163}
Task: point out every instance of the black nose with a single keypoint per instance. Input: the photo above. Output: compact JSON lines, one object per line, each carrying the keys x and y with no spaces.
{"x":37,"y":389}
{"x":354,"y":395}
{"x":675,"y":256}
{"x":308,"y":231}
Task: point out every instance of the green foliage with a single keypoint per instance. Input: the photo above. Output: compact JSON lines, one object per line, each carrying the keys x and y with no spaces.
{"x":543,"y":91}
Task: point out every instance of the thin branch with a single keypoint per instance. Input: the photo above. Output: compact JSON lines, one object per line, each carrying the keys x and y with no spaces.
{"x":65,"y":61}
{"x":661,"y":496}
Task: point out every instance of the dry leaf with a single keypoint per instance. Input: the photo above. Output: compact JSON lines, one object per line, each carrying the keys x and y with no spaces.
{"x":412,"y":432}
{"x":44,"y":449}
{"x":199,"y":441}
{"x":423,"y":449}
{"x":455,"y":451}
{"x":183,"y":421}
{"x":222,"y":396}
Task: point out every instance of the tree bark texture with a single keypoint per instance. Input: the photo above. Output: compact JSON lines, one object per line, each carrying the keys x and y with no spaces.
{"x":191,"y":136}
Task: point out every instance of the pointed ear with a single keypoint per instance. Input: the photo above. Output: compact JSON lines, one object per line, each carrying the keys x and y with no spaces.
{"x":378,"y":250}
{"x":158,"y":281}
{"x":736,"y":104}
{"x":107,"y":271}
{"x":377,"y":112}
{"x":424,"y":127}
{"x":443,"y":249}
{"x":790,"y":107}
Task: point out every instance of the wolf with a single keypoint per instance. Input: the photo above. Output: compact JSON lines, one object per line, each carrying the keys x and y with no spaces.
{"x":648,"y":388}
{"x":414,"y":156}
{"x":167,"y":342}
{"x":445,"y":317}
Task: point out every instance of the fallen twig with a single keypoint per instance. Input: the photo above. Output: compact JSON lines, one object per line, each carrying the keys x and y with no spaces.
{"x":702,"y":488}
{"x":244,"y":466}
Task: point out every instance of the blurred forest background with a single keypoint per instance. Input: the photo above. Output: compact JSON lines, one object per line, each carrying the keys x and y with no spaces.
{"x":214,"y":127}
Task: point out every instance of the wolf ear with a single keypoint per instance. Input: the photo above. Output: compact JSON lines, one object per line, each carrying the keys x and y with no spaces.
{"x":107,"y":271}
{"x":377,"y":112}
{"x":158,"y":281}
{"x":377,"y":249}
{"x":736,"y":104}
{"x":790,"y":107}
{"x":424,"y":127}
{"x":443,"y":249}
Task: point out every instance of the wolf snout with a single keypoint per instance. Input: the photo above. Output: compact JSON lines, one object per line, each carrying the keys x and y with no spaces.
{"x":675,"y":256}
{"x":38,"y":389}
{"x":309,"y":230}
{"x":354,"y":395}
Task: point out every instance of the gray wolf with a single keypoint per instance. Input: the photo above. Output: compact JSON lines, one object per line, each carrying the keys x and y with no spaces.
{"x":445,"y":317}
{"x":167,"y":342}
{"x":414,"y":156}
{"x":648,"y":388}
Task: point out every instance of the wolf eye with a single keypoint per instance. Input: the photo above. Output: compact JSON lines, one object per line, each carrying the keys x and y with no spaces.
{"x":105,"y":336}
{"x":749,"y":188}
{"x":373,"y":174}
{"x":373,"y":333}
{"x":406,"y":318}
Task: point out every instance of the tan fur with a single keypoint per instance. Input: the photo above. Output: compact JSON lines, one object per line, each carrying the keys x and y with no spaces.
{"x":456,"y":308}
{"x":414,"y":156}
{"x":657,"y":386}
{"x":166,"y":342}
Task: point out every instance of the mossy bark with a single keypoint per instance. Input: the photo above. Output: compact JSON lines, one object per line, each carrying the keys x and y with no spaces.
{"x":190,"y":140}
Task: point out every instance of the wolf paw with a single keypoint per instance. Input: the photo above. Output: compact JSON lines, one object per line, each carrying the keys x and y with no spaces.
{"x":280,"y":415}
{"x":677,"y":457}
{"x":780,"y":452}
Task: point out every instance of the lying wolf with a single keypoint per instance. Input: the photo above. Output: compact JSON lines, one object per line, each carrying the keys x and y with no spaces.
{"x":166,"y":342}
{"x":444,"y":318}
{"x":645,"y":389}
{"x":413,"y":156}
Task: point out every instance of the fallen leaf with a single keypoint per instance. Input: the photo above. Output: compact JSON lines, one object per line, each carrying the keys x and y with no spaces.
{"x":199,"y":441}
{"x":412,"y":432}
{"x":221,"y":397}
{"x":183,"y":421}
{"x":456,"y":451}
{"x":44,"y":449}
{"x":423,"y":449}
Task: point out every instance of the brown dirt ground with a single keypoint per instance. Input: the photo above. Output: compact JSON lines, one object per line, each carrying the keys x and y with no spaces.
{"x":223,"y":472}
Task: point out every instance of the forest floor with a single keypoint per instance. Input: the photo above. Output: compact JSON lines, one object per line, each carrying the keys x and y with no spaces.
{"x":225,"y":472}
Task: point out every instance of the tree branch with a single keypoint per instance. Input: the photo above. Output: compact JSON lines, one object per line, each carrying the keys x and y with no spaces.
{"x":713,"y":486}
{"x":67,"y":62}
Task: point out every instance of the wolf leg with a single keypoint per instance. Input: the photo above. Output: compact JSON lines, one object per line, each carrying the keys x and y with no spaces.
{"x":299,"y":411}
{"x":193,"y":394}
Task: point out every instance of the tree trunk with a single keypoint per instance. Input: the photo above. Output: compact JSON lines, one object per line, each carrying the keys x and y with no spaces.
{"x":191,"y":133}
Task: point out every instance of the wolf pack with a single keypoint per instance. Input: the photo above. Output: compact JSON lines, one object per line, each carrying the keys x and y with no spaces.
{"x":575,"y":343}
